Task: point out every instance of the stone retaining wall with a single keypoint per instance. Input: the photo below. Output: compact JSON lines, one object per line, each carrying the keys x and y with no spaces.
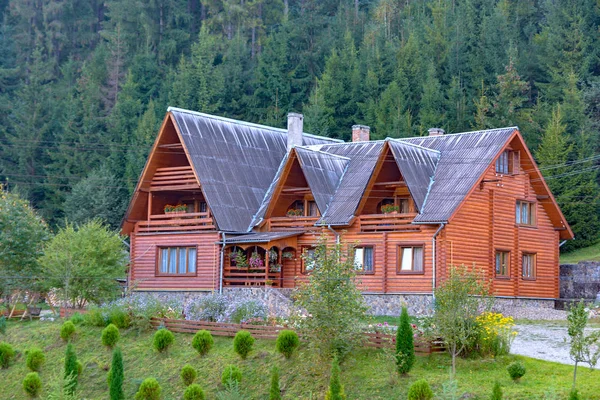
{"x":580,"y":281}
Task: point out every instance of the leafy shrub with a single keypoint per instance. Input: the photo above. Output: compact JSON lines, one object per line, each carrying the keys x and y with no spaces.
{"x":193,"y":392}
{"x":202,"y":342}
{"x":3,"y":324}
{"x":211,"y":307}
{"x":163,"y":338}
{"x":405,"y":348}
{"x":242,"y":343}
{"x":496,"y":392}
{"x":72,"y":367}
{"x":119,"y":318}
{"x":243,"y":311}
{"x":336,"y":390}
{"x":516,"y":370}
{"x":110,"y":336}
{"x":35,"y":359}
{"x":7,"y":353}
{"x":116,"y":376}
{"x":574,"y":395}
{"x":188,"y":375}
{"x":76,"y":318}
{"x":287,"y":342}
{"x":275,"y":391}
{"x":95,"y":317}
{"x":32,"y":384}
{"x":231,"y":373}
{"x":149,"y":390}
{"x":67,"y":331}
{"x":420,"y":390}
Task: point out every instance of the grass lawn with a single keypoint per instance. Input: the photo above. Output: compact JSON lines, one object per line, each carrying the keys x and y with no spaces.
{"x":366,"y":374}
{"x":591,"y":253}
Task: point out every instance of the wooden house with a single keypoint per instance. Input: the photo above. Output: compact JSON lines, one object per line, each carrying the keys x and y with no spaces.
{"x":224,"y":203}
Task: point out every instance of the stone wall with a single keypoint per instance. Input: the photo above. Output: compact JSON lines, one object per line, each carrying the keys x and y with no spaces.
{"x":580,"y":281}
{"x":391,"y":304}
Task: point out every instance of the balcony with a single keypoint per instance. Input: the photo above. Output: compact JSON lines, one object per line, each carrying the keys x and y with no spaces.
{"x":180,"y":222}
{"x":291,"y":223}
{"x":387,"y":222}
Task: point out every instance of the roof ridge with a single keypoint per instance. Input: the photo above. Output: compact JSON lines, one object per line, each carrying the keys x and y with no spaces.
{"x":462,"y":133}
{"x":399,"y":140}
{"x":321,"y":152}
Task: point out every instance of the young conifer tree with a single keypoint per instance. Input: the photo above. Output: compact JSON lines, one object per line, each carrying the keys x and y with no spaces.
{"x":405,"y":348}
{"x":116,"y":376}
{"x":275,"y":392}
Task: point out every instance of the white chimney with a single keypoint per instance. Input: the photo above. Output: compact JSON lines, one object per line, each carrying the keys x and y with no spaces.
{"x":361,"y":133}
{"x":436,"y":131}
{"x":295,"y":128}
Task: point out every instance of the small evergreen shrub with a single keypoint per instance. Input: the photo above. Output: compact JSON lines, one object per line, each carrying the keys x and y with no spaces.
{"x":202,"y":342}
{"x":76,"y":318}
{"x":193,"y":392}
{"x":496,"y":392}
{"x":231,"y":373}
{"x":574,"y":395}
{"x":32,"y":384}
{"x":119,"y":318}
{"x":275,"y":391}
{"x":287,"y":342}
{"x":35,"y":359}
{"x":516,"y":370}
{"x":110,"y":336}
{"x":188,"y":375}
{"x":405,"y":348}
{"x":163,"y":338}
{"x":336,"y":390}
{"x":242,"y":343}
{"x":67,"y":331}
{"x":420,"y":390}
{"x":3,"y":324}
{"x":72,"y":367}
{"x":116,"y":376}
{"x":149,"y":390}
{"x":7,"y":353}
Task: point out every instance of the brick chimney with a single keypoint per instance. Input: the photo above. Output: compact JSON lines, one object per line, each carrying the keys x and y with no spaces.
{"x":360,"y":133}
{"x":295,"y":128}
{"x":436,"y":131}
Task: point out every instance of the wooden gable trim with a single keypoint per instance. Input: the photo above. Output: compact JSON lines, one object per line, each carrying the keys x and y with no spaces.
{"x":291,"y":157}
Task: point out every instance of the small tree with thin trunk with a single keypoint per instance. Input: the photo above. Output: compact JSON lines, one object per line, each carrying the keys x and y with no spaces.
{"x":458,"y":301}
{"x":405,"y":348}
{"x":584,"y":348}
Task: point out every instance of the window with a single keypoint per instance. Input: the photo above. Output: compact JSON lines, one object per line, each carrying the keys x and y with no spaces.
{"x":529,"y":266}
{"x":403,"y":205}
{"x":525,"y":213}
{"x":410,"y":259}
{"x":308,"y":260}
{"x":502,"y":266}
{"x":508,"y":162}
{"x":363,"y":259}
{"x":177,"y":261}
{"x":313,"y":210}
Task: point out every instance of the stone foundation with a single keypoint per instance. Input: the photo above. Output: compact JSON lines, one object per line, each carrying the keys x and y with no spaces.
{"x":391,"y":304}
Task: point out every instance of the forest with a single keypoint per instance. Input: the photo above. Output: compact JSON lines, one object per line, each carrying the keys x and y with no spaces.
{"x":84,"y":84}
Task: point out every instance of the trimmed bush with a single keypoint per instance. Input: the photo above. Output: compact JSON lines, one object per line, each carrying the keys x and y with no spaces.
{"x":32,"y":384}
{"x":116,"y":376}
{"x":188,"y":375}
{"x":420,"y":390}
{"x":110,"y":336}
{"x":231,"y":373}
{"x":76,"y":318}
{"x":242,"y":343}
{"x":516,"y":370}
{"x":163,"y":338}
{"x":275,"y":391}
{"x":3,"y":325}
{"x":287,"y":342}
{"x":35,"y":359}
{"x":405,"y":348}
{"x":203,"y":342}
{"x":7,"y":353}
{"x":72,"y":367}
{"x":193,"y":392}
{"x":336,"y":390}
{"x":149,"y":390}
{"x":67,"y":331}
{"x":496,"y":392}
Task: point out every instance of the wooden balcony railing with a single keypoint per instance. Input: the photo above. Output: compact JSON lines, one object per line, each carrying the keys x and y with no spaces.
{"x":387,"y":222}
{"x":233,"y":276}
{"x":201,"y":221}
{"x":174,"y":178}
{"x":291,"y":223}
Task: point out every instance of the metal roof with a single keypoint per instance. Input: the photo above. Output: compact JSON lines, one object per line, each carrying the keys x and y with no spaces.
{"x":260,"y":237}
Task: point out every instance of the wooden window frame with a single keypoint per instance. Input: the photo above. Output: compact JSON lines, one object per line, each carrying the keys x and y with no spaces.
{"x":304,"y":249}
{"x":496,"y":275}
{"x":513,"y":159}
{"x":533,"y":277}
{"x":362,"y":271}
{"x":399,"y":250}
{"x":159,"y":261}
{"x":533,"y":209}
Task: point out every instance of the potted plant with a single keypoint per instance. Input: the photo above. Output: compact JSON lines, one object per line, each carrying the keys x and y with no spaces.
{"x":255,"y":261}
{"x":269,"y":282}
{"x":239,"y":259}
{"x":275,"y":268}
{"x":292,"y":212}
{"x":389,"y":209}
{"x":177,"y":209}
{"x":287,"y":255}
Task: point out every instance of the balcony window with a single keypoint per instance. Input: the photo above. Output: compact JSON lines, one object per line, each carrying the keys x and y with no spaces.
{"x":363,"y":259}
{"x":177,"y":261}
{"x":312,"y":209}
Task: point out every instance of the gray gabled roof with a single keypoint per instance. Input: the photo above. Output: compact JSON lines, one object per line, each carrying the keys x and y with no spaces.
{"x":235,"y":162}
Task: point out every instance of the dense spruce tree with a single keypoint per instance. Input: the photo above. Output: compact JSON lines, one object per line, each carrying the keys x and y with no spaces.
{"x":116,"y":376}
{"x":405,"y":348}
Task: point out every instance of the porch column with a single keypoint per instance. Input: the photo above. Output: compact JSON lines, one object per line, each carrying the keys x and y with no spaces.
{"x":280,"y":261}
{"x":267,"y":257}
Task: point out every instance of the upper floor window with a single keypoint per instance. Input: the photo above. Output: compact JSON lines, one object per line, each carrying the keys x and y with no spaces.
{"x":410,"y":259}
{"x":308,"y":260}
{"x":363,"y":259}
{"x":397,"y":204}
{"x":529,"y":265}
{"x":312,"y":209}
{"x":525,"y":213}
{"x":508,"y":163}
{"x":176,"y":261}
{"x":502,"y":264}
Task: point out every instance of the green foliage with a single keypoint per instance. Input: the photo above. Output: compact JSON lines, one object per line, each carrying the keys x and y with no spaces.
{"x":203,"y":342}
{"x":496,"y":392}
{"x":110,"y":336}
{"x":231,"y":373}
{"x":583,"y":348}
{"x":84,"y":262}
{"x":574,"y":395}
{"x":188,"y":374}
{"x":72,"y":368}
{"x":287,"y":342}
{"x":335,"y":307}
{"x":67,"y":331}
{"x":163,"y":338}
{"x":149,"y":390}
{"x":336,"y":390}
{"x":32,"y":384}
{"x":405,"y":348}
{"x":242,"y":343}
{"x":516,"y":370}
{"x":116,"y":375}
{"x":7,"y":353}
{"x":77,"y":318}
{"x":119,"y":318}
{"x":94,"y":317}
{"x":232,"y":391}
{"x":248,"y":309}
{"x":420,"y":390}
{"x":193,"y":392}
{"x":2,"y":325}
{"x":274,"y":391}
{"x":35,"y":359}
